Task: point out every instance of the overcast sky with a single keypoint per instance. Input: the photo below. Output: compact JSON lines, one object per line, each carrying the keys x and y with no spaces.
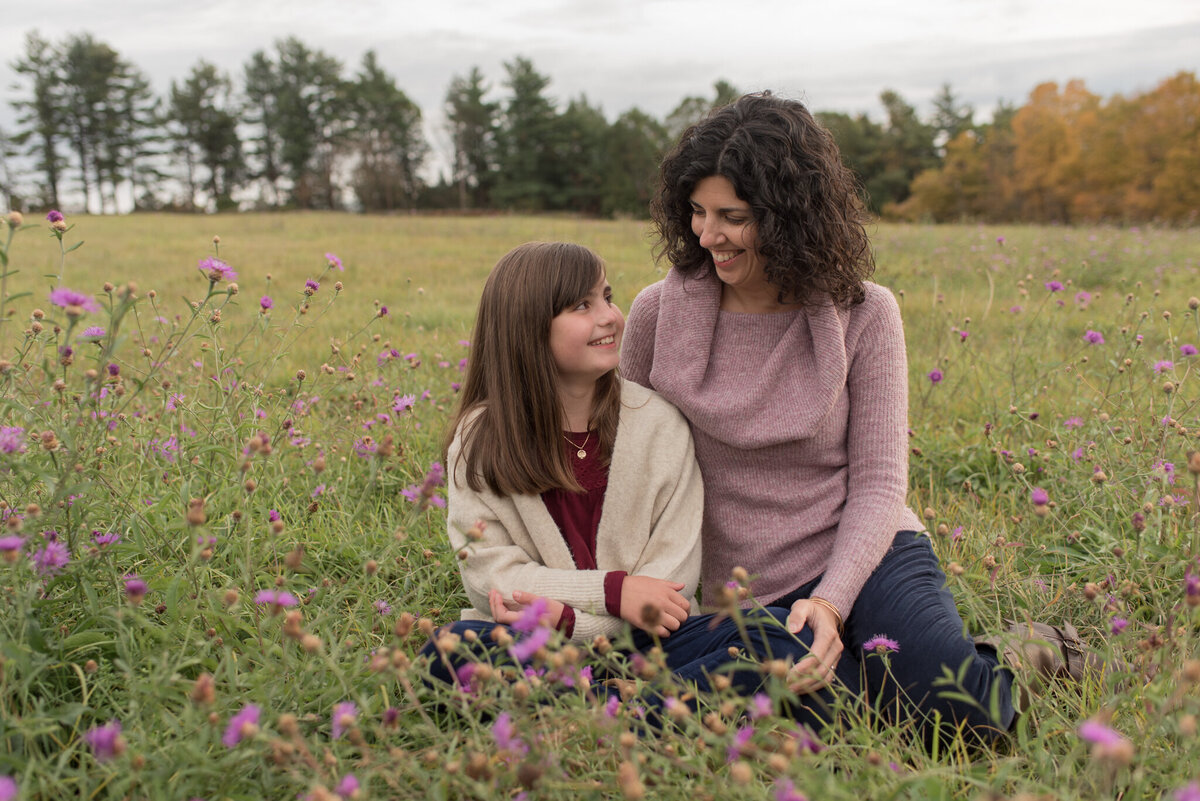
{"x":836,"y":56}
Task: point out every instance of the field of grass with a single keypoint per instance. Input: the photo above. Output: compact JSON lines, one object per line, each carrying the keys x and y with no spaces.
{"x":164,"y":480}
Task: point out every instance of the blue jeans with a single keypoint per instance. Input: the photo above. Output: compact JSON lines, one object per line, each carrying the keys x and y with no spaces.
{"x":694,"y":652}
{"x":906,"y":600}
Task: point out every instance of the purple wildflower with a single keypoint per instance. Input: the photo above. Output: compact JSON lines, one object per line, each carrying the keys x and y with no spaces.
{"x":760,"y":706}
{"x":806,"y":740}
{"x":1039,"y":497}
{"x":8,"y":788}
{"x":10,"y":547}
{"x":105,"y":741}
{"x":1188,"y":350}
{"x":531,"y":616}
{"x":1083,"y":298}
{"x":1072,"y":422}
{"x":1095,"y":732}
{"x":54,"y":216}
{"x":12,"y":439}
{"x":135,"y":589}
{"x":334,"y":261}
{"x":611,"y":706}
{"x":785,"y":788}
{"x":404,"y":403}
{"x":347,"y":787}
{"x":265,"y":303}
{"x":1094,"y":337}
{"x":935,"y":376}
{"x":344,"y":717}
{"x":216,"y":270}
{"x":391,"y":717}
{"x":1054,"y":286}
{"x":383,"y":607}
{"x":881,"y":644}
{"x":506,"y":737}
{"x":93,"y":333}
{"x":106,"y":538}
{"x":51,"y":559}
{"x":311,"y":287}
{"x":741,"y":739}
{"x":1189,"y":793}
{"x":272,"y":515}
{"x":70,"y":299}
{"x":524,"y":650}
{"x":1164,"y":365}
{"x":1118,"y":624}
{"x":242,"y":725}
{"x":1191,"y":585}
{"x":278,"y":600}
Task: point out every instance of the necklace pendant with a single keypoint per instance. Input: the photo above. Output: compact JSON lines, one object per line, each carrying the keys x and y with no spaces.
{"x":581,"y":453}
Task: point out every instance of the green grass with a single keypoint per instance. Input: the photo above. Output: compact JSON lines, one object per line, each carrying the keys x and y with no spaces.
{"x":1025,"y":402}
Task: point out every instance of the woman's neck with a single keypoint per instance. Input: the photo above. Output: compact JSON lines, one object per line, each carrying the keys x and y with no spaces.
{"x":758,"y":299}
{"x":577,"y":401}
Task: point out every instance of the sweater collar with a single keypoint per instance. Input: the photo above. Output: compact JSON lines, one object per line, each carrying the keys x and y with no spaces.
{"x":798,"y":380}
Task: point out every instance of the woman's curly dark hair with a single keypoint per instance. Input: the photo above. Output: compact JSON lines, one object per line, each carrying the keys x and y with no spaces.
{"x":805,"y":202}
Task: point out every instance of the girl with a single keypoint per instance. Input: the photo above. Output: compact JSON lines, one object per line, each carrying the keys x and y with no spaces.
{"x":580,"y":491}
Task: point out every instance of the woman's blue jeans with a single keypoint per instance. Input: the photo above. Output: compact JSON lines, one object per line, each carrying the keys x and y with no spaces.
{"x":906,"y":600}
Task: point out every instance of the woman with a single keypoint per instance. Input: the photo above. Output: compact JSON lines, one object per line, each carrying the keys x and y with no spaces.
{"x":790,"y":368}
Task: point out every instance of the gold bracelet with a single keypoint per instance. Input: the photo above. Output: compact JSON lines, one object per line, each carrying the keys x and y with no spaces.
{"x":829,"y":605}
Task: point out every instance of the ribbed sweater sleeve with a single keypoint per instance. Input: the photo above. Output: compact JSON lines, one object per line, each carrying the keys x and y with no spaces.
{"x":877,"y":451}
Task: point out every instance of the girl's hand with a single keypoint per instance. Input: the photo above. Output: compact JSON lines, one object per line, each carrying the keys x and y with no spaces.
{"x":508,"y":612}
{"x":653,"y":605}
{"x":815,"y":670}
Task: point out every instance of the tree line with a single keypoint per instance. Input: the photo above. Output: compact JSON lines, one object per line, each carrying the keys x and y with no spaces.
{"x":295,"y":130}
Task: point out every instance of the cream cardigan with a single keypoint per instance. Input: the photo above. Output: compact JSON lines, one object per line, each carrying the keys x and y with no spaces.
{"x":649,"y":525}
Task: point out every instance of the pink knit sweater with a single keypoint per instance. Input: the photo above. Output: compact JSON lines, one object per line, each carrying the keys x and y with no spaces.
{"x":800,"y":422}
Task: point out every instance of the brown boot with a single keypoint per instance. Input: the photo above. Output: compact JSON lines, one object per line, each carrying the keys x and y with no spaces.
{"x":1038,"y":653}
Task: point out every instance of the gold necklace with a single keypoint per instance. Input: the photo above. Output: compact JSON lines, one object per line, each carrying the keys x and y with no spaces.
{"x":580,"y":452}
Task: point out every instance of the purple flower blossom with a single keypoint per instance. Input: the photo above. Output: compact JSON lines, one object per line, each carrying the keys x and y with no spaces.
{"x":272,"y":515}
{"x":505,"y":735}
{"x":216,"y":270}
{"x":242,"y":725}
{"x":311,"y":287}
{"x":54,"y":216}
{"x":1188,"y":350}
{"x":1191,"y":585}
{"x":1094,"y":337}
{"x":612,"y":706}
{"x":807,"y":742}
{"x":69,"y":298}
{"x":12,"y":439}
{"x":962,"y":335}
{"x":93,"y":333}
{"x":956,"y":534}
{"x":105,"y":741}
{"x":741,"y":739}
{"x":135,"y":589}
{"x":1118,"y":625}
{"x":1072,"y":422}
{"x":10,"y":546}
{"x":1083,"y":298}
{"x":265,"y":303}
{"x":1054,"y":286}
{"x":1095,"y":732}
{"x":51,"y":559}
{"x":881,"y":644}
{"x":383,"y":607}
{"x":785,"y":788}
{"x":1162,"y":366}
{"x":531,"y":616}
{"x":334,"y":261}
{"x":760,"y":706}
{"x":277,"y":599}
{"x":1189,"y":793}
{"x":102,"y":539}
{"x":8,"y":788}
{"x":391,"y":716}
{"x":524,"y":650}
{"x":404,"y":403}
{"x":345,"y":715}
{"x":347,"y":787}
{"x":935,"y":376}
{"x":1039,"y":497}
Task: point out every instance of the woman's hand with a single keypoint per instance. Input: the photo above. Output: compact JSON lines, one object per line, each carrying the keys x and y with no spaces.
{"x":815,"y":670}
{"x":653,"y":605}
{"x":508,"y":612}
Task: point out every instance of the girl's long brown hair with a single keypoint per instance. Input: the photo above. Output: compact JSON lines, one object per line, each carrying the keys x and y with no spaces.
{"x":509,"y":413}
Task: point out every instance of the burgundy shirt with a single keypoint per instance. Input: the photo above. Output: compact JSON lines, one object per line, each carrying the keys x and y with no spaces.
{"x":577,"y":515}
